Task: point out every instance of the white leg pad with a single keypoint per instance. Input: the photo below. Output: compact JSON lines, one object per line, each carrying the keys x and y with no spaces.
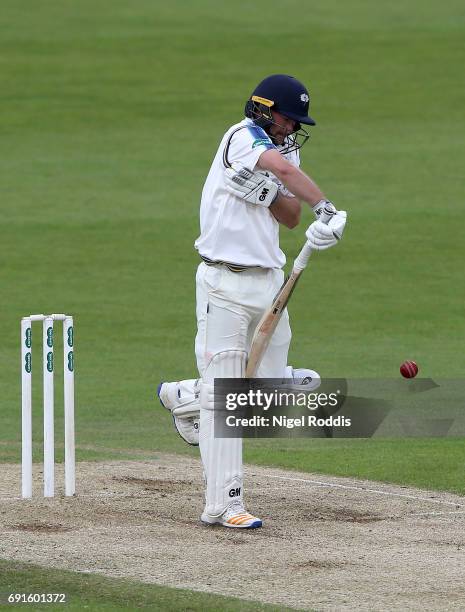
{"x":182,"y":400}
{"x":187,"y":401}
{"x":221,"y":457}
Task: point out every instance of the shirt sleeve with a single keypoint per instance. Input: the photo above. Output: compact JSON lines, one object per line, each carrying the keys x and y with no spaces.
{"x":245,"y":145}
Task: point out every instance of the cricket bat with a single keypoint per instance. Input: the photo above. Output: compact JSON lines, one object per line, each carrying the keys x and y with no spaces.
{"x":270,"y":319}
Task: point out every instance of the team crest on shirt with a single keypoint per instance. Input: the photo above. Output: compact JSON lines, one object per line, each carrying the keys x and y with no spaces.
{"x":261,"y":141}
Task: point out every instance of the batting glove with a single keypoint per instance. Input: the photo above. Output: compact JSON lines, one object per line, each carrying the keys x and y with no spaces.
{"x":321,"y":236}
{"x":320,"y":206}
{"x":253,"y":187}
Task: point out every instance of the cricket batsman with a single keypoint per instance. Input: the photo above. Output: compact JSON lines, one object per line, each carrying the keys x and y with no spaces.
{"x":254,"y":185}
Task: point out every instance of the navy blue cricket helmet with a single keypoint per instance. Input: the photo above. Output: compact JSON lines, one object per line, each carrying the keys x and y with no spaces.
{"x":286,"y":95}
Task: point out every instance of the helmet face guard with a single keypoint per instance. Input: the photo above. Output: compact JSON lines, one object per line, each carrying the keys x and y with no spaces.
{"x":295,"y":141}
{"x":259,"y":110}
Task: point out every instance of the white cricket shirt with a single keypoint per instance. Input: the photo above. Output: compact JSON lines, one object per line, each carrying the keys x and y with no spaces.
{"x":232,"y":230}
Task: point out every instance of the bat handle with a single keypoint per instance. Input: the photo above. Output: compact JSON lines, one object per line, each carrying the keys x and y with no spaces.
{"x":301,"y":260}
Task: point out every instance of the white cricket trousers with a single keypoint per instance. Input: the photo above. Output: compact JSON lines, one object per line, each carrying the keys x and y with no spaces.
{"x":229,"y":307}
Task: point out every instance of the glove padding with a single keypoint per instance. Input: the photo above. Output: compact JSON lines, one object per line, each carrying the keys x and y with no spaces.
{"x":320,"y":207}
{"x":253,"y":187}
{"x":321,"y":236}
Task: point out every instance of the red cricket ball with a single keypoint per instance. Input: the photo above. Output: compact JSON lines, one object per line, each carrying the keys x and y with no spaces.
{"x":409,"y":369}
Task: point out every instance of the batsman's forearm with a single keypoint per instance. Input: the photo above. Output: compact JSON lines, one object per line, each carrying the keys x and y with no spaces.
{"x":301,"y":185}
{"x":286,"y":210}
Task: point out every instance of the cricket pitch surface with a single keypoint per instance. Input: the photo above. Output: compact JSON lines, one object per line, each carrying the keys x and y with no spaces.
{"x":327,"y":543}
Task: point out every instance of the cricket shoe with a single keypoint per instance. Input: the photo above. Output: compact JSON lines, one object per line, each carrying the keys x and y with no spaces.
{"x":234,"y":516}
{"x":301,"y":379}
{"x":184,"y":408}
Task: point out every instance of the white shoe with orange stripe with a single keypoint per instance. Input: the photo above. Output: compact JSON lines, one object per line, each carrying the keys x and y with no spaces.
{"x":234,"y":516}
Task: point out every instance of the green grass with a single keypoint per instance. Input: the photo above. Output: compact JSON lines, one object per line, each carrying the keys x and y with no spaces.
{"x":110,"y":114}
{"x":425,"y":463}
{"x":95,"y":593}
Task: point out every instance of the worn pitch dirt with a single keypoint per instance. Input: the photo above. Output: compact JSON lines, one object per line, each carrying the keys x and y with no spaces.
{"x":327,"y":543}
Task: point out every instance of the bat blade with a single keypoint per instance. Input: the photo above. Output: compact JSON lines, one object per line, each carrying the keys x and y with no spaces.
{"x":270,"y":319}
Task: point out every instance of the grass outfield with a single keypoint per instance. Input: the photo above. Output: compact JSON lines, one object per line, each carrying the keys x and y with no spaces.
{"x":95,"y":593}
{"x":110,"y":114}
